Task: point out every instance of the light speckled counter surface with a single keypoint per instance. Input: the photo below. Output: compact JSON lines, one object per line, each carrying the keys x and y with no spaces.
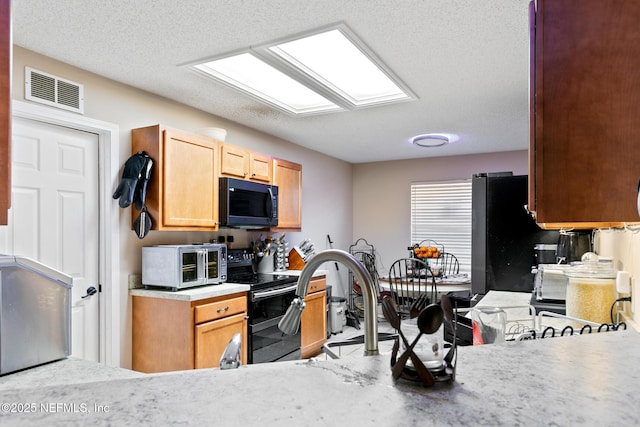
{"x":203,"y":292}
{"x":581,"y":380}
{"x":192,"y":294}
{"x":64,"y":372}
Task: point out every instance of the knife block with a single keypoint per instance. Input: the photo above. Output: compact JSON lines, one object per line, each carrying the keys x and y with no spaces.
{"x":296,"y":262}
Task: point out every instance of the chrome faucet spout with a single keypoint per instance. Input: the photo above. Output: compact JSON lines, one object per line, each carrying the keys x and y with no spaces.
{"x":291,"y":320}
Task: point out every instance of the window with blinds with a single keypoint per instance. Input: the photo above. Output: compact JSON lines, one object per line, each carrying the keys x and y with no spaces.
{"x":441,"y":211}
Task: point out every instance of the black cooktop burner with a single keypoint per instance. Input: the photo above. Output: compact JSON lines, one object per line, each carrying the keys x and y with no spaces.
{"x":261,"y":280}
{"x":240,"y":270}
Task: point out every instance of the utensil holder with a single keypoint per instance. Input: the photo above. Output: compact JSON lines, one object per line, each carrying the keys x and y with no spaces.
{"x":430,"y":378}
{"x":282,"y":260}
{"x":447,"y":373}
{"x":265,"y":264}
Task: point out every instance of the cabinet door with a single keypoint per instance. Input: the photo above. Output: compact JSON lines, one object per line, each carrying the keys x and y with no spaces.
{"x":313,"y":323}
{"x":234,"y":161}
{"x":587,"y":86}
{"x":288,"y":177}
{"x":190,"y":190}
{"x":260,"y":168}
{"x":211,"y":338}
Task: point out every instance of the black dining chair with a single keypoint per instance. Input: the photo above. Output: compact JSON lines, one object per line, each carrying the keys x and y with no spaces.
{"x":409,"y":278}
{"x":449,"y":264}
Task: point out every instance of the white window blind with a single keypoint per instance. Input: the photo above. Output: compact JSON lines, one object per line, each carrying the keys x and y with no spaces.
{"x":441,"y":211}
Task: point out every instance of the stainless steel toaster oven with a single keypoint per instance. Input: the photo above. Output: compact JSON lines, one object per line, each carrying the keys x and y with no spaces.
{"x":184,"y":266}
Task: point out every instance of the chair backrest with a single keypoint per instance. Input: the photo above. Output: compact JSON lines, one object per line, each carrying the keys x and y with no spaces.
{"x":450,"y":264}
{"x":408,"y":280}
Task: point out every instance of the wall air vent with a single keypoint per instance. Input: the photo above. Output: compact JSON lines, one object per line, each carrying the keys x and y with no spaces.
{"x":54,"y":91}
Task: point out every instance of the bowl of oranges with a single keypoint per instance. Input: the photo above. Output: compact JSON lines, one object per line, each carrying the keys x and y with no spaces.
{"x":423,"y":252}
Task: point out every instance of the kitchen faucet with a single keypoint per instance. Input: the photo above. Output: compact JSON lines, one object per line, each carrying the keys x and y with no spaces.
{"x":290,"y":323}
{"x":232,"y":354}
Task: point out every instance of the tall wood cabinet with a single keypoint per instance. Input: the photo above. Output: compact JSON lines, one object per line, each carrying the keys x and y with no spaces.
{"x":5,"y":110}
{"x":313,"y":323}
{"x":288,"y":177}
{"x":183,"y":191}
{"x":172,"y":335}
{"x":585,"y":112}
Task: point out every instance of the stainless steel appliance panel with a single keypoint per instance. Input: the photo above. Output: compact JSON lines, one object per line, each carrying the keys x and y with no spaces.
{"x":184,"y":266}
{"x":550,"y":282}
{"x":246,"y":204}
{"x":35,"y":314}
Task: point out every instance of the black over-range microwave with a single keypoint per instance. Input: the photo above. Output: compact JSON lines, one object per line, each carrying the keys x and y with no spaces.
{"x":247,"y":204}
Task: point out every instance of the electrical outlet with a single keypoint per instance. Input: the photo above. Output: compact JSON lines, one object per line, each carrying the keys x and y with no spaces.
{"x":135,"y":281}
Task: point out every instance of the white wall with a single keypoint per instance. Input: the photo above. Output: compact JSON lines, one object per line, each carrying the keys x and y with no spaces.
{"x":382,"y":195}
{"x":326,"y":200}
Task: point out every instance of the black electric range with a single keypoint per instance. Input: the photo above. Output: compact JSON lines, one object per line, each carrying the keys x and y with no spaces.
{"x":240,"y":269}
{"x":268,"y":300}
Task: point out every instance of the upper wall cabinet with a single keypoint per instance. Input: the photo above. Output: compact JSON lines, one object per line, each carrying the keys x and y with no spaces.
{"x":5,"y":111}
{"x":237,"y":162}
{"x":288,"y":177}
{"x":182,"y":193}
{"x":585,"y":112}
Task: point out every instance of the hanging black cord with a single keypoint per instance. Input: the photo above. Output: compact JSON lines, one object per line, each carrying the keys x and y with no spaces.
{"x":614,"y":304}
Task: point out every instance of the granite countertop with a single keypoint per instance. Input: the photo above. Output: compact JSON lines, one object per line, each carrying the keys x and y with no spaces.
{"x":580,"y":380}
{"x":192,"y":294}
{"x":204,"y":292}
{"x":61,"y":373}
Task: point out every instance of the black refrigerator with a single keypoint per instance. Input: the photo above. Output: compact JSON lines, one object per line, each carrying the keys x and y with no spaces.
{"x":503,"y":234}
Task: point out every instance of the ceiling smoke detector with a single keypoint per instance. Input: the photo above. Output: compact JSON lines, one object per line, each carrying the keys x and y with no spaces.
{"x":430,"y":140}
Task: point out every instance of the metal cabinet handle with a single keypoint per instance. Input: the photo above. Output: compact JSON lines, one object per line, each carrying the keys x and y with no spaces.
{"x":220,"y":310}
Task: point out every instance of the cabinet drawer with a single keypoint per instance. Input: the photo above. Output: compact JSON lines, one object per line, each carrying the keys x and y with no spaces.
{"x":220,"y":309}
{"x":317,"y":285}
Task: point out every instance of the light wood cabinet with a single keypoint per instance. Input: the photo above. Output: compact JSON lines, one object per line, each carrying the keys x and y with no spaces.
{"x":183,"y":191}
{"x":237,"y":162}
{"x":5,"y":110}
{"x":313,"y":323}
{"x":171,"y":335}
{"x":584,"y":161}
{"x":288,"y":177}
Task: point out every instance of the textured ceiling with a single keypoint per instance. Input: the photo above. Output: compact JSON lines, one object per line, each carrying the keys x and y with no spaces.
{"x":466,"y":60}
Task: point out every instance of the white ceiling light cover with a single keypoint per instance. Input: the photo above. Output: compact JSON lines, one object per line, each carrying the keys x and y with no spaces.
{"x":431,"y":140}
{"x":323,"y":72}
{"x":260,"y":79}
{"x":334,"y":60}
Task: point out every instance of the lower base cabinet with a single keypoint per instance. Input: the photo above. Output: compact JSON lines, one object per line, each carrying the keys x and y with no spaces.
{"x":172,"y":335}
{"x":313,"y":324}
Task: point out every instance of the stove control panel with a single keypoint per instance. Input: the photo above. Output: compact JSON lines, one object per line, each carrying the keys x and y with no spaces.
{"x":239,"y":258}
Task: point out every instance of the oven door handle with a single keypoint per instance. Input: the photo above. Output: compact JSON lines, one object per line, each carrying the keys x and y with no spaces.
{"x":265,"y":294}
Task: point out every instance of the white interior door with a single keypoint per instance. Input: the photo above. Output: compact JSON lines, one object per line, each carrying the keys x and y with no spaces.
{"x":54,"y":215}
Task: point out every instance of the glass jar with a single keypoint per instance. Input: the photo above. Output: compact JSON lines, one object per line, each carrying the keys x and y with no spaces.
{"x":591,"y":290}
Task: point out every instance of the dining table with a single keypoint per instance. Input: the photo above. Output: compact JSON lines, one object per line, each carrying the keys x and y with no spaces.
{"x":443,"y":285}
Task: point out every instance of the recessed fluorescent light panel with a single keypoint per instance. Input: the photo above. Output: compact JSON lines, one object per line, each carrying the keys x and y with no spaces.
{"x":323,"y":72}
{"x":255,"y":77}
